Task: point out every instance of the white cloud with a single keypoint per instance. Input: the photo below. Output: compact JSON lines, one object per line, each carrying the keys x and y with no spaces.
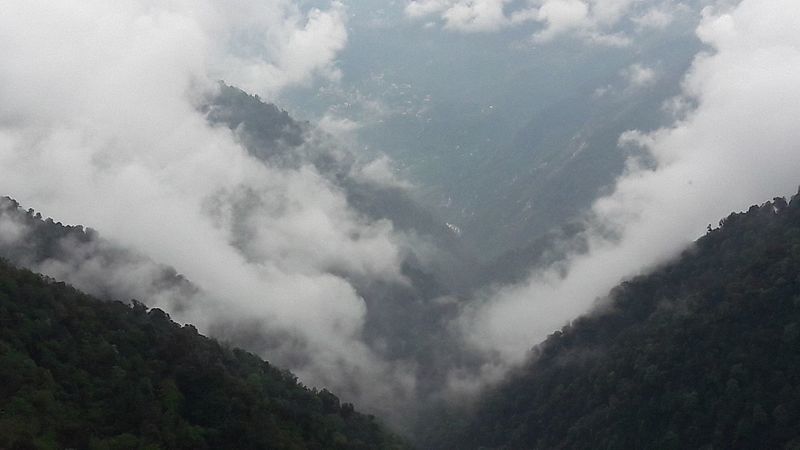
{"x":99,"y":125}
{"x":738,"y":147}
{"x":654,"y":18}
{"x":340,"y":127}
{"x":560,"y":16}
{"x":10,"y":230}
{"x":381,"y":172}
{"x":597,"y":22}
{"x":463,"y":15}
{"x":421,"y":8}
{"x":476,"y":15}
{"x":609,"y":12}
{"x":275,"y":45}
{"x":638,"y":75}
{"x":591,"y":20}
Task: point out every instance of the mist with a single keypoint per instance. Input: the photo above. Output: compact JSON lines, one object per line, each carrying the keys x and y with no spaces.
{"x":311,"y":252}
{"x":733,"y":143}
{"x":101,"y":125}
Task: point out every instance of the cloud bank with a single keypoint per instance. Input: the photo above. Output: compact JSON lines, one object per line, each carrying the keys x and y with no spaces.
{"x":739,"y":146}
{"x":99,"y":124}
{"x":271,"y":45}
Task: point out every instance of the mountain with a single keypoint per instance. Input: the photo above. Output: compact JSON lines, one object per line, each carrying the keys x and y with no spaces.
{"x":405,"y":322}
{"x":507,"y":138}
{"x":81,"y":257}
{"x":274,"y":137}
{"x":702,"y":353}
{"x":403,"y":319}
{"x":83,"y":373}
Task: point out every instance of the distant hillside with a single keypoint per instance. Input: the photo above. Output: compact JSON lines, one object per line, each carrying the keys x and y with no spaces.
{"x":80,"y":256}
{"x":703,"y":353}
{"x":77,"y":372}
{"x":402,"y":322}
{"x":273,"y":136}
{"x":265,"y":129}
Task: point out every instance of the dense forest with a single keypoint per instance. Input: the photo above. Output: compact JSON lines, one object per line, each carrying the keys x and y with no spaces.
{"x":702,"y":353}
{"x":83,"y":373}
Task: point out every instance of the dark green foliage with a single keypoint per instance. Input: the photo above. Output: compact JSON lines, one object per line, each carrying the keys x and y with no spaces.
{"x":703,"y":353}
{"x":43,"y":241}
{"x":45,"y":237}
{"x":76,"y":372}
{"x":267,"y":130}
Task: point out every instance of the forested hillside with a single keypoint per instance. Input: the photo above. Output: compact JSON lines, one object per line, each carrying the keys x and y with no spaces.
{"x":43,"y":245}
{"x":83,"y":373}
{"x":702,"y":353}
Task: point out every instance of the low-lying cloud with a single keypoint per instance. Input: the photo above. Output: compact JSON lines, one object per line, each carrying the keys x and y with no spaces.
{"x":100,"y":124}
{"x":739,"y":146}
{"x":272,"y":45}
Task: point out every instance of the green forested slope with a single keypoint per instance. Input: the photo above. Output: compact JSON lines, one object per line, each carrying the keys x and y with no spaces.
{"x":76,"y":372}
{"x":702,"y":353}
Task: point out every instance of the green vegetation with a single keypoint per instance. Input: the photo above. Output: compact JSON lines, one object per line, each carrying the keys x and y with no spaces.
{"x":702,"y":353}
{"x":82,"y":373}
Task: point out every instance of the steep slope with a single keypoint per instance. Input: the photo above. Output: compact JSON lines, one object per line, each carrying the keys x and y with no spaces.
{"x":81,"y":257}
{"x":266,"y":130}
{"x":511,"y":139}
{"x":402,"y":318}
{"x":274,"y":137}
{"x":702,"y":353}
{"x":568,"y":153}
{"x":77,"y":372}
{"x":403,"y":324}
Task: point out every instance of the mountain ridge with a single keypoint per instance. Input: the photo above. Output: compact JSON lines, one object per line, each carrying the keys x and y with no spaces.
{"x":703,"y":352}
{"x":84,"y":373}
